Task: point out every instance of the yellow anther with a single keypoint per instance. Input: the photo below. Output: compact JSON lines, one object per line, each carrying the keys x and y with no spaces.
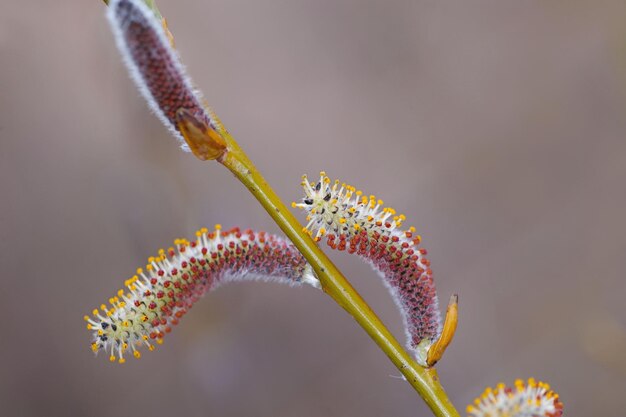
{"x":137,"y":354}
{"x":86,"y":318}
{"x":342,"y":220}
{"x":293,"y":204}
{"x":149,"y":268}
{"x":122,"y":360}
{"x":100,"y":332}
{"x":120,"y":293}
{"x":218,"y":227}
{"x":356,"y":226}
{"x":150,"y":348}
{"x":139,"y":271}
{"x":160,"y":341}
{"x":94,"y":347}
{"x":112,"y":358}
{"x":103,"y":307}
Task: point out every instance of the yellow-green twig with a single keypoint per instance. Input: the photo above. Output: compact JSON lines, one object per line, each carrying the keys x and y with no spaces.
{"x":424,"y":380}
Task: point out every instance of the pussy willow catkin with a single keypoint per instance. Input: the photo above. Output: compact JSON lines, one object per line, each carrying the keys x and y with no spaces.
{"x":155,"y":67}
{"x":349,"y":220}
{"x":531,"y":399}
{"x":159,"y":295}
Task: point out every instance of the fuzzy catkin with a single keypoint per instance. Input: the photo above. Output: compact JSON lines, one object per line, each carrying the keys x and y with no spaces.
{"x":526,"y":399}
{"x":156,"y":298}
{"x":351,"y":221}
{"x":155,"y":67}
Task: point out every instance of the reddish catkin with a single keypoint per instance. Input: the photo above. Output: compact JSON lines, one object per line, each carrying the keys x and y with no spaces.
{"x":359,"y":224}
{"x":155,"y":67}
{"x":159,"y":295}
{"x":530,"y":399}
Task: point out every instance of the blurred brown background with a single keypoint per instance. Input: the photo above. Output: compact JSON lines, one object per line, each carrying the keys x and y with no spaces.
{"x":497,"y":127}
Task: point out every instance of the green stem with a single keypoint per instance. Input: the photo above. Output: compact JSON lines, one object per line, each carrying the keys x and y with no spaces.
{"x":424,"y":380}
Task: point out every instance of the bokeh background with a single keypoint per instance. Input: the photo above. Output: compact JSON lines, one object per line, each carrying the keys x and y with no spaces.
{"x":497,"y":127}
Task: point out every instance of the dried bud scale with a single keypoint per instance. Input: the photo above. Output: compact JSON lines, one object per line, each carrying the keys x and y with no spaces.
{"x":531,"y":399}
{"x":349,"y":220}
{"x":159,"y":295}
